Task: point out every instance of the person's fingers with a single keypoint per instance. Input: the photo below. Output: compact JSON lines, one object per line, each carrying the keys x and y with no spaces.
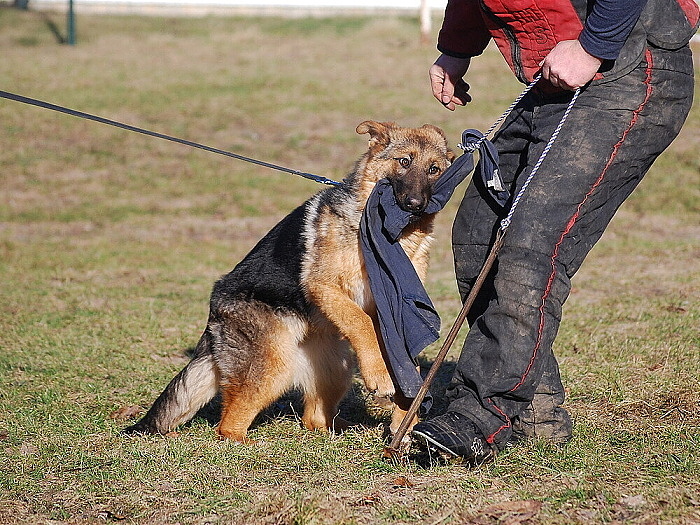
{"x":546,"y":70}
{"x":567,"y":86}
{"x":461,"y":95}
{"x":437,"y":82}
{"x":446,"y":81}
{"x":448,"y":89}
{"x":569,"y":66}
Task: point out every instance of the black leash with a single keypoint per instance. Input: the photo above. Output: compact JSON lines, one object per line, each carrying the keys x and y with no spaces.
{"x":88,"y":116}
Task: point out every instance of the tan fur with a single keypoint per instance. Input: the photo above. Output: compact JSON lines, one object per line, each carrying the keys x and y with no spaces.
{"x":342,"y":295}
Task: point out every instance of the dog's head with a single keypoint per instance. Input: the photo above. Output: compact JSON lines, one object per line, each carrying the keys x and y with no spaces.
{"x":411,"y":158}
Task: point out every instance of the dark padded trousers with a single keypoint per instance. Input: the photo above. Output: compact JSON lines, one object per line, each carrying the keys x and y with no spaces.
{"x":507,"y":375}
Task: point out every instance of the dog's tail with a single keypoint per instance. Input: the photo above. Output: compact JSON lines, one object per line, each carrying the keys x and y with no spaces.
{"x":189,"y":391}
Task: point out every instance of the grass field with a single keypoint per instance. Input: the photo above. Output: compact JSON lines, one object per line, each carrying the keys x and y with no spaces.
{"x":110,"y":241}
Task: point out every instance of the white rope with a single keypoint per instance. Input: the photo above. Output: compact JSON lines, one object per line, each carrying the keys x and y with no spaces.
{"x":512,"y":106}
{"x":505,"y":223}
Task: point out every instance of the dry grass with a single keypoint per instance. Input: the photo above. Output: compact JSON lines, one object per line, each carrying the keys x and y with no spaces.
{"x":109,"y":243}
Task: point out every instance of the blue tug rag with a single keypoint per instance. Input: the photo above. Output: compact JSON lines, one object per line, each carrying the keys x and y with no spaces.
{"x":407,"y":318}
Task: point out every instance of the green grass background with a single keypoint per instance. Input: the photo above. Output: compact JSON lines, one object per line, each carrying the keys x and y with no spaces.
{"x":110,"y":241}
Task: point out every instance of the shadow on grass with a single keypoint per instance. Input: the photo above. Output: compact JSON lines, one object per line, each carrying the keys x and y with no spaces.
{"x":439,"y":386}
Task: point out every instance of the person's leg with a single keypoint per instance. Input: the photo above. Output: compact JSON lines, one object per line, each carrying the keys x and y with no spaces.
{"x":473,"y":234}
{"x":544,"y":417}
{"x":609,"y":141}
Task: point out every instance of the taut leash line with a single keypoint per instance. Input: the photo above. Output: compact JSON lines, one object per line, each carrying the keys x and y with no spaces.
{"x":101,"y":120}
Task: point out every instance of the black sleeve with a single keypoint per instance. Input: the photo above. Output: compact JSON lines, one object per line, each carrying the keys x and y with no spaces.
{"x":608,"y":25}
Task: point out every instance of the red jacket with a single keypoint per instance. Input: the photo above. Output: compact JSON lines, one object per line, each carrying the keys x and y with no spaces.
{"x":526,"y":30}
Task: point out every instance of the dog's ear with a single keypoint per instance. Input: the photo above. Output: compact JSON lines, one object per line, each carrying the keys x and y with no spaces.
{"x":450,"y":154}
{"x":378,"y":132}
{"x":435,"y":129}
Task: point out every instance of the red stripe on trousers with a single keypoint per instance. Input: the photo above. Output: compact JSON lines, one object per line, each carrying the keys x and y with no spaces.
{"x":567,"y":229}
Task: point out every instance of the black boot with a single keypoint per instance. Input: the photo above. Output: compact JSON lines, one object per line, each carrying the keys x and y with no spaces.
{"x":455,"y":436}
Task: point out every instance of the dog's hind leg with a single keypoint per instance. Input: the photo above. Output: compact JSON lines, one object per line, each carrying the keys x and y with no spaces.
{"x":254,"y":357}
{"x":242,"y":403}
{"x":325,"y":379}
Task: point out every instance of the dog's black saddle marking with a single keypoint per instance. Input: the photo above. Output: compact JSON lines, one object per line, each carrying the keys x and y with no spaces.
{"x":271,"y":272}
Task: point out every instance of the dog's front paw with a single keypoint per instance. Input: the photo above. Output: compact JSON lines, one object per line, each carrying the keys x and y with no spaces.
{"x":383,"y":402}
{"x":382,"y":389}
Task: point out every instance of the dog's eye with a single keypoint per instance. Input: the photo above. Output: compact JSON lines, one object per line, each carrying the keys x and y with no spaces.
{"x":434,"y":170}
{"x":404,"y":161}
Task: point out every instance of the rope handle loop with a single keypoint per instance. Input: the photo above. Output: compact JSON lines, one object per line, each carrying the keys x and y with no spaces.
{"x":472,"y":147}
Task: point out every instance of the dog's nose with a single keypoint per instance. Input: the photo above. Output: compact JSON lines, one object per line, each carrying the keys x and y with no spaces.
{"x":414,"y":204}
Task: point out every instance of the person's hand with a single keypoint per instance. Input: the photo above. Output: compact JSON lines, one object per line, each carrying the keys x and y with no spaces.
{"x":446,"y":81}
{"x":569,"y":66}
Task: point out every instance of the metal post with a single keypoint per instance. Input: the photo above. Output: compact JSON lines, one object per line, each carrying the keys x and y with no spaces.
{"x":70,"y":39}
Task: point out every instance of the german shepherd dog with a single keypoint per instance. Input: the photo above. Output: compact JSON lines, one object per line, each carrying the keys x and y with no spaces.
{"x":287,"y":314}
